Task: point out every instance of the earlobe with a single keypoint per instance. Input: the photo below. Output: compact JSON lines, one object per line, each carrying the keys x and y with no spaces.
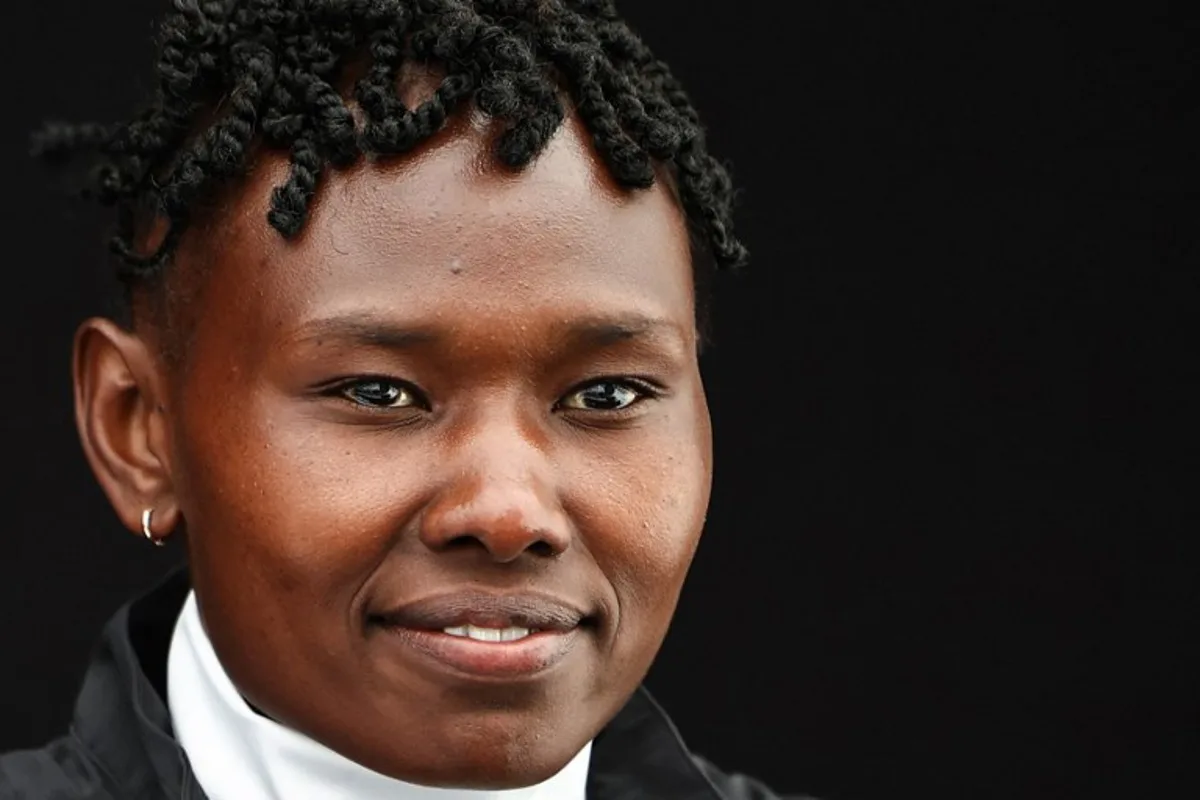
{"x":120,"y":411}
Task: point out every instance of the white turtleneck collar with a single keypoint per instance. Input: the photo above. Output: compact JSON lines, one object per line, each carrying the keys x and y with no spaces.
{"x":237,"y":754}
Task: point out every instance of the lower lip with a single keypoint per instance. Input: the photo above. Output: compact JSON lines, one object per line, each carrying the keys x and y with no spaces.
{"x":525,"y":658}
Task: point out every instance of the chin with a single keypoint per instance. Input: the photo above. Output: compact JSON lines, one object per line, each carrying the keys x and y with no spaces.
{"x":493,"y":752}
{"x":490,"y":770}
{"x":497,"y":777}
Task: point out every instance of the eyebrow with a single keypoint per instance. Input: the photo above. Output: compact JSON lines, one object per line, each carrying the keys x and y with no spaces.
{"x":605,"y":331}
{"x":586,"y":333}
{"x":363,"y":329}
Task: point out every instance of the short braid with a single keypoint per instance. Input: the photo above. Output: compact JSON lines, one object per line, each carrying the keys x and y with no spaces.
{"x":233,"y":74}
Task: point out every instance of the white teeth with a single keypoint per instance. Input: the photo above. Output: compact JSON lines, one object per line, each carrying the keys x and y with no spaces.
{"x":488,"y":634}
{"x":513,"y":634}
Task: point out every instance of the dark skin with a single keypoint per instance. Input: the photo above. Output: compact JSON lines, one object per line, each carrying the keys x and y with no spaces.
{"x":456,"y":378}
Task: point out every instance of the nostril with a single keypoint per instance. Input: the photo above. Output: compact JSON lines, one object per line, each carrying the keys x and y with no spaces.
{"x":542,"y":548}
{"x":464,"y":542}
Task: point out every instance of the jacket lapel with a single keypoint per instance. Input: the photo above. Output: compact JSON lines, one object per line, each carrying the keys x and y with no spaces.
{"x":121,"y":717}
{"x":640,"y":756}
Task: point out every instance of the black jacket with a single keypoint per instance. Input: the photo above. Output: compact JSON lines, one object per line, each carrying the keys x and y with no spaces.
{"x":121,"y":746}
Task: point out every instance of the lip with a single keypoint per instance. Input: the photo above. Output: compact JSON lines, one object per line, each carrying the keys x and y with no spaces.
{"x":537,"y":611}
{"x":418,"y":627}
{"x":527,"y":658}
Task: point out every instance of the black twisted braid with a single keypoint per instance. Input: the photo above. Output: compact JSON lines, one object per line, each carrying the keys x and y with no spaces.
{"x":232,"y":73}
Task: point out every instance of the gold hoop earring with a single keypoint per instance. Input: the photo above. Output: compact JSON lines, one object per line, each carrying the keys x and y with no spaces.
{"x":149,"y":534}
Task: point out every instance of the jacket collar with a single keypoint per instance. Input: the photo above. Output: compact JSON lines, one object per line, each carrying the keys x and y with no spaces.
{"x":121,"y":717}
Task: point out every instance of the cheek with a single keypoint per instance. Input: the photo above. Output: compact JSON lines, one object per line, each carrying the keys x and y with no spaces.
{"x":304,"y":505}
{"x":654,"y":498}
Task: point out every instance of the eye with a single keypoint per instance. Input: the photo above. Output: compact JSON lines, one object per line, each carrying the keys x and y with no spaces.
{"x":606,"y":395}
{"x":379,"y":393}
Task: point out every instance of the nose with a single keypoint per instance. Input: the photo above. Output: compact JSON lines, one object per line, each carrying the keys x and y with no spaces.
{"x":501,"y":499}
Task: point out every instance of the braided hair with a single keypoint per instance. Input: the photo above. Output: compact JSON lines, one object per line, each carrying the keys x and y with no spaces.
{"x":236,"y":74}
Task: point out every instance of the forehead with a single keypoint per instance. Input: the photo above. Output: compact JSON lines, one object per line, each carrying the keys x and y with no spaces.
{"x":446,"y":232}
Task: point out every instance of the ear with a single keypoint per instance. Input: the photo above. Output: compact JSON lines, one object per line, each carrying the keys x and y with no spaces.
{"x":120,"y":410}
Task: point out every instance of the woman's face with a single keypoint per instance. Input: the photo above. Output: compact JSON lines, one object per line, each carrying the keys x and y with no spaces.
{"x":462,"y":397}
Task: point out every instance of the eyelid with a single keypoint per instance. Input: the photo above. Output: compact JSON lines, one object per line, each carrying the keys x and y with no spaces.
{"x":646,"y":388}
{"x":641,"y":382}
{"x":336,"y":387}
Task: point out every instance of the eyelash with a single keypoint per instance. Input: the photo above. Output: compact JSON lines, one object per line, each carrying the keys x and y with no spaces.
{"x":339,"y":389}
{"x":644,"y":389}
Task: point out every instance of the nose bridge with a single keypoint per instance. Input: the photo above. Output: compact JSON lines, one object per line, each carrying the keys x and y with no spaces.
{"x":499,"y":492}
{"x":506,"y":468}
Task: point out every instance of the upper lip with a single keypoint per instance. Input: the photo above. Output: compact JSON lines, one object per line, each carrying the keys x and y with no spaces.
{"x":486,"y":610}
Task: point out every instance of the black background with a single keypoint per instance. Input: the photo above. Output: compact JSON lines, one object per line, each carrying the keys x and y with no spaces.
{"x":947,"y":555}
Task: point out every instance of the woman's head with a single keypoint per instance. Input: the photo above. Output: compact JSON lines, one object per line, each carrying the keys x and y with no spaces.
{"x":461,"y":389}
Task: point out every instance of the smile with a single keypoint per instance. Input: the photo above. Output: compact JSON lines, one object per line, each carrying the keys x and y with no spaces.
{"x":497,"y":654}
{"x":511,"y":634}
{"x":486,"y":636}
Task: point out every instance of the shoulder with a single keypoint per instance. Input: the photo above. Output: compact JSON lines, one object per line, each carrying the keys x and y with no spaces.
{"x":733,"y":786}
{"x":60,"y":771}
